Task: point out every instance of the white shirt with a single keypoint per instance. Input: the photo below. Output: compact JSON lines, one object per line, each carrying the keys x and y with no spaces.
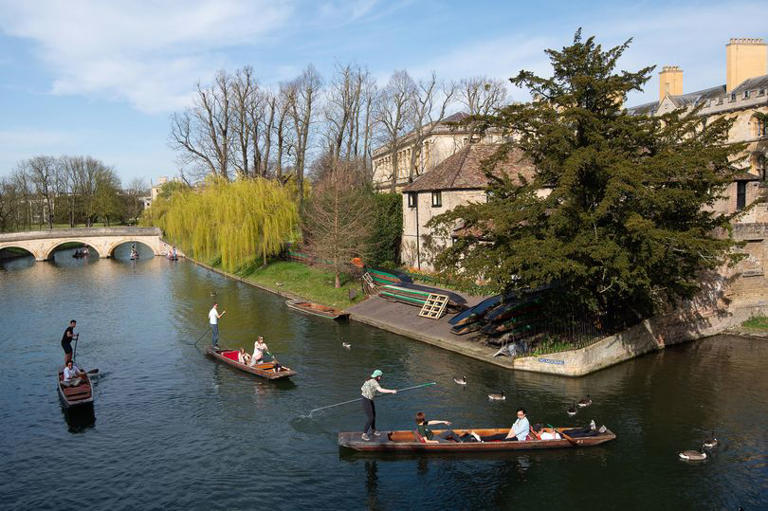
{"x":213,"y":316}
{"x":71,"y":373}
{"x":546,"y":435}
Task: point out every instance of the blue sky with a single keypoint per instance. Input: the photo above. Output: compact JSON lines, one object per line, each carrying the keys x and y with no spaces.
{"x":102,"y":77}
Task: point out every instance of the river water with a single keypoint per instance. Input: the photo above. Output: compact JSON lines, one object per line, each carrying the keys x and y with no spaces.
{"x":174,"y":429}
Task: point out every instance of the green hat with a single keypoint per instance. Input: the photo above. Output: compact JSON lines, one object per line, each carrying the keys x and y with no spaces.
{"x":377,"y":373}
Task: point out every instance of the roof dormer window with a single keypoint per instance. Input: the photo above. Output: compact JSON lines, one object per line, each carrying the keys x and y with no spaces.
{"x":746,"y":94}
{"x":733,"y":96}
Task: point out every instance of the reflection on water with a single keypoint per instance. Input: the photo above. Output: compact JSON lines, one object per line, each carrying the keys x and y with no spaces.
{"x":177,"y":429}
{"x":79,"y":418}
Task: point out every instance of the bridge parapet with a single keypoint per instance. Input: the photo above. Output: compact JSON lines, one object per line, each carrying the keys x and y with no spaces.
{"x":87,"y":232}
{"x":104,"y":240}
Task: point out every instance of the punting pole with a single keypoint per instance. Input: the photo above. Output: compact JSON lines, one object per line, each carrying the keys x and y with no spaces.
{"x":358,"y":399}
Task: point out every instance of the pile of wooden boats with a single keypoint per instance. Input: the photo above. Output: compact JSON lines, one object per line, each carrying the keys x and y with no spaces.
{"x":408,"y":441}
{"x":498,"y":317}
{"x":268,"y":370}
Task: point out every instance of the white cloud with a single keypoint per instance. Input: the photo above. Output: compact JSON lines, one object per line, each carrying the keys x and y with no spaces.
{"x":692,"y":37}
{"x":146,"y":52}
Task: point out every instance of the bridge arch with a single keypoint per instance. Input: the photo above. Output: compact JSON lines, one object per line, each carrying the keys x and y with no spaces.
{"x":110,"y":252}
{"x":91,"y":246}
{"x":5,"y":254}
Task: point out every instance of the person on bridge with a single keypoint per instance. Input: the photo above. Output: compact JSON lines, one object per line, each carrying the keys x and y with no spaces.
{"x":66,"y":341}
{"x":368,"y":390}
{"x":213,"y":319}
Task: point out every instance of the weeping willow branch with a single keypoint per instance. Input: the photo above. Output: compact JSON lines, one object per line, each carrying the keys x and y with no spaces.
{"x":238,"y":221}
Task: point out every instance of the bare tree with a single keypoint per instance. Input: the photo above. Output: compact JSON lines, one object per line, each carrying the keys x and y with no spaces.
{"x":393,"y":113}
{"x":429,"y":105}
{"x":41,"y":171}
{"x":481,"y":95}
{"x":301,"y":98}
{"x":136,"y":190}
{"x":338,"y":219}
{"x":203,"y":134}
{"x":246,"y":103}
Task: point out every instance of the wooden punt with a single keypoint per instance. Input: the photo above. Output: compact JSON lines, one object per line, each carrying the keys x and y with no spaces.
{"x":406,"y":442}
{"x":317,"y":310}
{"x":475,"y":313}
{"x":266,"y":370}
{"x":79,"y":396}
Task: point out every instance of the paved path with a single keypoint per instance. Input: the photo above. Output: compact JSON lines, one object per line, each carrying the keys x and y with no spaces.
{"x":404,"y":320}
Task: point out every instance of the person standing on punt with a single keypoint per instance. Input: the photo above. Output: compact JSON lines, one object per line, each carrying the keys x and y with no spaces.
{"x":368,"y":390}
{"x":66,"y":341}
{"x":213,"y":319}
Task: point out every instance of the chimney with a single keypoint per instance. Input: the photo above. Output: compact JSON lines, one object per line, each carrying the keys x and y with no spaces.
{"x":670,"y":82}
{"x":744,"y":58}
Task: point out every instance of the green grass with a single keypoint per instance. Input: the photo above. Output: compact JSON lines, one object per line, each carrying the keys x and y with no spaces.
{"x":311,"y":283}
{"x":757,"y":322}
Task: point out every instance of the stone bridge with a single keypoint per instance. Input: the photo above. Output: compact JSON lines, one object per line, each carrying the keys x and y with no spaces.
{"x":104,"y":240}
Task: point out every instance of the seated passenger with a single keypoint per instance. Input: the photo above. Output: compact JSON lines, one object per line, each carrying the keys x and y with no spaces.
{"x":72,"y":375}
{"x":243,"y":357}
{"x":517,"y":433}
{"x":545,"y":435}
{"x":422,"y":424}
{"x":259,"y":349}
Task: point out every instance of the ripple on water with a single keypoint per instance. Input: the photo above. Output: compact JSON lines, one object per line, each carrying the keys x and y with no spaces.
{"x":175,"y":429}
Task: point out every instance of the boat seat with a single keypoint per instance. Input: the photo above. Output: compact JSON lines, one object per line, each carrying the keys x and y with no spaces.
{"x":232,"y":355}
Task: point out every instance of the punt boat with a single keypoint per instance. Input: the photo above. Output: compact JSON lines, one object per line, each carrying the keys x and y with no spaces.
{"x":317,"y":310}
{"x":265,"y":370}
{"x":409,"y":442}
{"x":80,"y":396}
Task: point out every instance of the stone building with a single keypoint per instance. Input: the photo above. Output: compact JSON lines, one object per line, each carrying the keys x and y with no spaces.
{"x":744,"y":96}
{"x":459,"y":179}
{"x":444,"y":140}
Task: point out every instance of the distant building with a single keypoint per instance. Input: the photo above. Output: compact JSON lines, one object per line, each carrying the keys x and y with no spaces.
{"x":445,"y":140}
{"x":155,"y":190}
{"x":457,"y":180}
{"x":744,"y":96}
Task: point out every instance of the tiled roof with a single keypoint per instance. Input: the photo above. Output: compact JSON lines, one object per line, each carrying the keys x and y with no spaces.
{"x":703,"y":96}
{"x":463,"y":170}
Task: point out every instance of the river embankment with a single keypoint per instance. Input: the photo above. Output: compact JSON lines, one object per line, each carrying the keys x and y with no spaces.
{"x":696,"y":321}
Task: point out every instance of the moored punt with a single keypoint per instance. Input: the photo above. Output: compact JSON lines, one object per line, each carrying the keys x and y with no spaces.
{"x":317,"y":310}
{"x":79,"y":396}
{"x":266,"y":370}
{"x":407,"y":441}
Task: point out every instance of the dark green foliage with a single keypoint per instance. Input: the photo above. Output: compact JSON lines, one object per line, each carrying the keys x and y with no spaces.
{"x":386,"y":230}
{"x":628,"y":225}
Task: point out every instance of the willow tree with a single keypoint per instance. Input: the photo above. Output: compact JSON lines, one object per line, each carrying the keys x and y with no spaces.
{"x":238,"y":221}
{"x":620,"y":215}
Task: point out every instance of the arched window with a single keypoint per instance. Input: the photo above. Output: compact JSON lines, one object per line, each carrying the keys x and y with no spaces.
{"x":761,"y":166}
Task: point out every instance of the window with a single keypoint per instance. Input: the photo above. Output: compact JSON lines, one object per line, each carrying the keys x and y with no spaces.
{"x":733,"y":96}
{"x":437,"y":199}
{"x":411,"y":199}
{"x":741,"y":195}
{"x":746,"y":94}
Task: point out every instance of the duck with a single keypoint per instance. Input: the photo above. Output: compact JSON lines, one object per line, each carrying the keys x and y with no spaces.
{"x":711,"y":442}
{"x":583,"y":403}
{"x":460,"y":381}
{"x":572,"y":410}
{"x":497,"y":396}
{"x":692,"y":455}
{"x":346,"y":345}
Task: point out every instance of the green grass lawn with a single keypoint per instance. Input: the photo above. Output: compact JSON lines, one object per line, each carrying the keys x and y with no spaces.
{"x":757,"y":322}
{"x":309,"y":282}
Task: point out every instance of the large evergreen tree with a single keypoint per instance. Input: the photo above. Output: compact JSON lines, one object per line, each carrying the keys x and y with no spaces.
{"x":628,"y":223}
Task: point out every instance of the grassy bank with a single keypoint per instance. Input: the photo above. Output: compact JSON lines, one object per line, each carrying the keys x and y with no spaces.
{"x":756,"y":322}
{"x":309,"y":282}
